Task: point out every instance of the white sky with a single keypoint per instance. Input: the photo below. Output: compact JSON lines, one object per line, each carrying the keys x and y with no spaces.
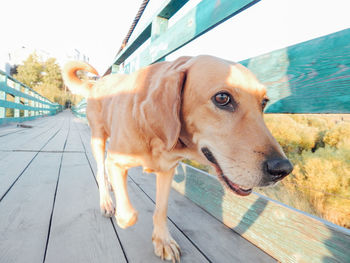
{"x":97,"y":28}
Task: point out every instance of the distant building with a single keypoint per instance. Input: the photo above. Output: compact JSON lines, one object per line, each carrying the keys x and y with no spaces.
{"x":75,"y":54}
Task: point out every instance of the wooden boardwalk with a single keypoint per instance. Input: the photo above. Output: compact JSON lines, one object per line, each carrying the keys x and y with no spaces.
{"x":49,"y":207}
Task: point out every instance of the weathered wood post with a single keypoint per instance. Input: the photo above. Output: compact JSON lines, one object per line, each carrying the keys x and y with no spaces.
{"x":159,"y":26}
{"x":17,"y":87}
{"x":32,"y":103}
{"x":3,"y":81}
{"x":26,"y":102}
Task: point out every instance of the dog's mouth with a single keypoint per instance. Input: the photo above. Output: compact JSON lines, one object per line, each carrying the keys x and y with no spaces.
{"x":237,"y":189}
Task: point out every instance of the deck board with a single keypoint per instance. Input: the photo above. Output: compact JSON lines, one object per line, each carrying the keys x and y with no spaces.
{"x":78,"y":231}
{"x":25,"y":211}
{"x":12,"y":128}
{"x":32,"y":139}
{"x":12,"y":165}
{"x":58,"y":142}
{"x":74,"y":142}
{"x":200,"y":227}
{"x":50,"y":212}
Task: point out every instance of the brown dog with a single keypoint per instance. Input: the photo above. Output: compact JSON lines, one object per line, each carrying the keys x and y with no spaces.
{"x":201,"y":108}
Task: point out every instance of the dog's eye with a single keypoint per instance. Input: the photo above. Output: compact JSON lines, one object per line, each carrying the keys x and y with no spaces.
{"x":223,"y":100}
{"x":264,"y":103}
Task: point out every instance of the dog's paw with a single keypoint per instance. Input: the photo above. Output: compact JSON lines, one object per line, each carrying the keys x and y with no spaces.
{"x":107,"y":207}
{"x":125,"y":220}
{"x":166,"y":248}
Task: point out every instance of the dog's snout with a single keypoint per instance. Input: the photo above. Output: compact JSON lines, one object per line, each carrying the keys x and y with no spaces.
{"x":278,"y":168}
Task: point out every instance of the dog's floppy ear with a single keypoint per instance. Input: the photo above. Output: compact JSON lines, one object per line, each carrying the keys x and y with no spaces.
{"x":160,"y":111}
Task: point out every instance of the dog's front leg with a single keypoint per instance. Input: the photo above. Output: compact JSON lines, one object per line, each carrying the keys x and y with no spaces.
{"x":126,"y":215}
{"x":164,"y":245}
{"x":98,"y":144}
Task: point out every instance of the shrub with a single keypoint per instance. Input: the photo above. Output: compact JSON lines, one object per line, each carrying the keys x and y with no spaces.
{"x":293,"y":136}
{"x":339,"y":135}
{"x":320,"y":153}
{"x":324,"y":177}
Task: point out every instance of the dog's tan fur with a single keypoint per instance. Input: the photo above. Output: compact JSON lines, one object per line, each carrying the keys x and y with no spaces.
{"x":164,"y":113}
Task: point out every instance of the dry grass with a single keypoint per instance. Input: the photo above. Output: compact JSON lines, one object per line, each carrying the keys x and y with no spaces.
{"x":319,"y":147}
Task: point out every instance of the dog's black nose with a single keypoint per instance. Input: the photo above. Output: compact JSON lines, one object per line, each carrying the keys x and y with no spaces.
{"x":278,"y":168}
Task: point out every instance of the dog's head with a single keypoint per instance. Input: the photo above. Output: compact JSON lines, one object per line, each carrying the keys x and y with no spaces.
{"x":219,"y":118}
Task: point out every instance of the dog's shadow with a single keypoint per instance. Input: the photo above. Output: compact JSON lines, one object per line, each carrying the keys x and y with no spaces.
{"x":196,"y":190}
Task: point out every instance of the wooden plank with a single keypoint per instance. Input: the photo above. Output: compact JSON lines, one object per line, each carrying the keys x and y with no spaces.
{"x":11,"y":128}
{"x":84,"y":133}
{"x":285,"y":233}
{"x":159,"y":26}
{"x":137,"y":239}
{"x":310,"y":77}
{"x":58,"y":142}
{"x":14,"y":127}
{"x":4,"y":87}
{"x":73,"y":141}
{"x":168,"y":9}
{"x":3,"y":78}
{"x":14,"y":140}
{"x":26,"y":209}
{"x":39,"y":141}
{"x":12,"y":165}
{"x":205,"y":16}
{"x":19,"y":119}
{"x":199,"y":227}
{"x":16,"y":105}
{"x":32,"y":139}
{"x":79,"y":233}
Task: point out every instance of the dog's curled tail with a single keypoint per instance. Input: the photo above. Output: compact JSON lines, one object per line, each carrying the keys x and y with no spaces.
{"x":73,"y":82}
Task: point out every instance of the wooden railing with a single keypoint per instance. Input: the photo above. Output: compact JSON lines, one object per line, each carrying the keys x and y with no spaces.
{"x":311,"y":77}
{"x":79,"y":110}
{"x":19,"y":102}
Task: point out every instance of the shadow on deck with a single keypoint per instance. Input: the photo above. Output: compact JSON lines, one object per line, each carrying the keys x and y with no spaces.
{"x":49,"y":208}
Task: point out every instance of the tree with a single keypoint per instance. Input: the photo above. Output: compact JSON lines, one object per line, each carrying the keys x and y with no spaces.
{"x":30,"y":72}
{"x":45,"y":78}
{"x":51,"y":75}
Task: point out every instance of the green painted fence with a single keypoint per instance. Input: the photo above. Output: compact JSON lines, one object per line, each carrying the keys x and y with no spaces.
{"x":287,"y":234}
{"x":79,"y":110}
{"x":202,"y":18}
{"x":310,"y":77}
{"x":20,"y":103}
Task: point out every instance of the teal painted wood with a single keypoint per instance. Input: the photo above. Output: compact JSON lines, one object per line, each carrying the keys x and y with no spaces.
{"x":26,"y":111}
{"x":287,"y":234}
{"x":159,"y":26}
{"x":33,"y":105}
{"x":169,"y":8}
{"x":310,"y":77}
{"x":80,"y":109}
{"x":206,"y":15}
{"x":35,"y":97}
{"x":19,"y":106}
{"x":19,"y":119}
{"x":17,"y":101}
{"x":2,"y":109}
